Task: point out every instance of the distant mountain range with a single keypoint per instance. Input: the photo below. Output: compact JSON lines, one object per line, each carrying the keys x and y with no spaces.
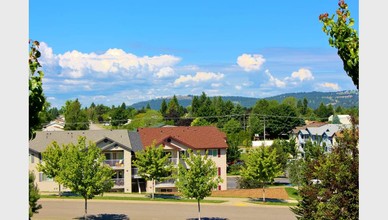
{"x":346,"y":99}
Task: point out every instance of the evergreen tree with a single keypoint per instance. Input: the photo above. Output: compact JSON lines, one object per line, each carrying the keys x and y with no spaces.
{"x":199,"y":180}
{"x":118,"y":116}
{"x":76,"y":118}
{"x":33,"y":195}
{"x":163,"y":107}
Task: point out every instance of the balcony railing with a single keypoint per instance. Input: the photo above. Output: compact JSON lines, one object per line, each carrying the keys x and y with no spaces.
{"x":173,"y":160}
{"x":118,"y":182}
{"x":166,"y":183}
{"x":115,"y":162}
{"x":135,"y":173}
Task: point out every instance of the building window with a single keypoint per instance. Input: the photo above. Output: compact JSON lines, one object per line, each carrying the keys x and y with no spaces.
{"x":43,"y":178}
{"x":219,"y":171}
{"x":31,"y":158}
{"x":212,"y":152}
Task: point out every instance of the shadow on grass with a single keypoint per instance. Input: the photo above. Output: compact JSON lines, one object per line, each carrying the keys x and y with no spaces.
{"x":267,"y":200}
{"x":104,"y":217}
{"x":208,"y":218}
{"x":164,"y":196}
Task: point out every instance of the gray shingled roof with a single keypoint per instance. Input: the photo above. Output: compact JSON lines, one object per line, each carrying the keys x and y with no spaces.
{"x":329,"y":129}
{"x":135,"y":141}
{"x":45,"y":138}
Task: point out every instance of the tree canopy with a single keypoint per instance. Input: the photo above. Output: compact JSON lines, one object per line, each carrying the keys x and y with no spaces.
{"x":84,"y":170}
{"x":261,"y":166}
{"x":76,"y":118}
{"x":342,"y":35}
{"x":51,"y":163}
{"x":35,"y":85}
{"x":153,"y":164}
{"x":197,"y":177}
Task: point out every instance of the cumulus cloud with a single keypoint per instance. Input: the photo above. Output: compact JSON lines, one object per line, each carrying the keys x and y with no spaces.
{"x":199,"y":77}
{"x":327,"y":85}
{"x":165,"y":72}
{"x":302,"y":74}
{"x":47,"y":58}
{"x":275,"y":81}
{"x":250,"y":62}
{"x":114,"y":61}
{"x":75,"y":64}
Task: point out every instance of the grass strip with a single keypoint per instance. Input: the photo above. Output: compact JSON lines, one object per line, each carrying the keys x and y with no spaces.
{"x":275,"y":203}
{"x":132,"y":199}
{"x":293,"y":193}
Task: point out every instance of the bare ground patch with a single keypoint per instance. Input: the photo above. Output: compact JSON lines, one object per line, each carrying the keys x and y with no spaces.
{"x":273,"y":193}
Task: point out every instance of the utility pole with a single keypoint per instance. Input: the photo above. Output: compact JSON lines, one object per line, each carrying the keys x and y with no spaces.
{"x":264,"y":130}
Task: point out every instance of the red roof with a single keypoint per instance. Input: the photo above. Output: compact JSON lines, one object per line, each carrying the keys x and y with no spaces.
{"x":195,"y":137}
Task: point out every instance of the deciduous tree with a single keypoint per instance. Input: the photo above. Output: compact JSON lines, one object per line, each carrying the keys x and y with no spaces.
{"x":342,"y":35}
{"x":261,"y":166}
{"x":336,"y":196}
{"x":153,"y":164}
{"x":199,"y":178}
{"x":84,"y":170}
{"x":51,"y":163}
{"x":35,"y":85}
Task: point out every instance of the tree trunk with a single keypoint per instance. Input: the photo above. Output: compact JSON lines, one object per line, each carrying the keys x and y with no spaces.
{"x":263,"y":193}
{"x":153,"y":188}
{"x":86,"y":208}
{"x":138,"y":186}
{"x":59,"y":191}
{"x":199,"y":210}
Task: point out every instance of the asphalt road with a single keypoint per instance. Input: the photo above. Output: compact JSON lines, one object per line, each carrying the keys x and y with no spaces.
{"x":58,"y":209}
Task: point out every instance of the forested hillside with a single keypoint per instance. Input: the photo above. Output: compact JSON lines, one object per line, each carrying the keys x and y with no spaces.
{"x":346,"y":99}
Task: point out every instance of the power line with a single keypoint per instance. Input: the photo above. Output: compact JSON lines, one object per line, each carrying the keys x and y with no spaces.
{"x":205,"y":117}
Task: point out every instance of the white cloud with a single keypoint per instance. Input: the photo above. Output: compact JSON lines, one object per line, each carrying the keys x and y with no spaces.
{"x":47,"y":58}
{"x":250,"y":62}
{"x":275,"y":81}
{"x":75,"y":64}
{"x":238,"y":87}
{"x":333,"y":86}
{"x":302,"y":74}
{"x":165,"y":72}
{"x":199,"y":77}
{"x":216,"y":85}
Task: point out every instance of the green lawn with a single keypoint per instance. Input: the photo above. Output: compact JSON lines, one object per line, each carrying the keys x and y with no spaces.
{"x":133,"y":198}
{"x":293,"y":193}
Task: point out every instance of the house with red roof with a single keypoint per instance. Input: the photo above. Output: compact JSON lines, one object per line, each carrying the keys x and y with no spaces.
{"x":177,"y":140}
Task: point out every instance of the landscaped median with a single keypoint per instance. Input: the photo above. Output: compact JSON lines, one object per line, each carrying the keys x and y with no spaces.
{"x":286,"y":196}
{"x":133,"y":197}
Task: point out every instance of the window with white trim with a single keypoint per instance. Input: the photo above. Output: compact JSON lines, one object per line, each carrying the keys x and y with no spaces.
{"x":212,"y":152}
{"x":43,"y":177}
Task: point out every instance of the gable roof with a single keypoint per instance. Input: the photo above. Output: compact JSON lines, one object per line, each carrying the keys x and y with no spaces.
{"x":308,"y":124}
{"x":195,"y":137}
{"x":45,"y":138}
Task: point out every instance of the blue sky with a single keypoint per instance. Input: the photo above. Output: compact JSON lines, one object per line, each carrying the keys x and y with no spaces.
{"x":110,"y":52}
